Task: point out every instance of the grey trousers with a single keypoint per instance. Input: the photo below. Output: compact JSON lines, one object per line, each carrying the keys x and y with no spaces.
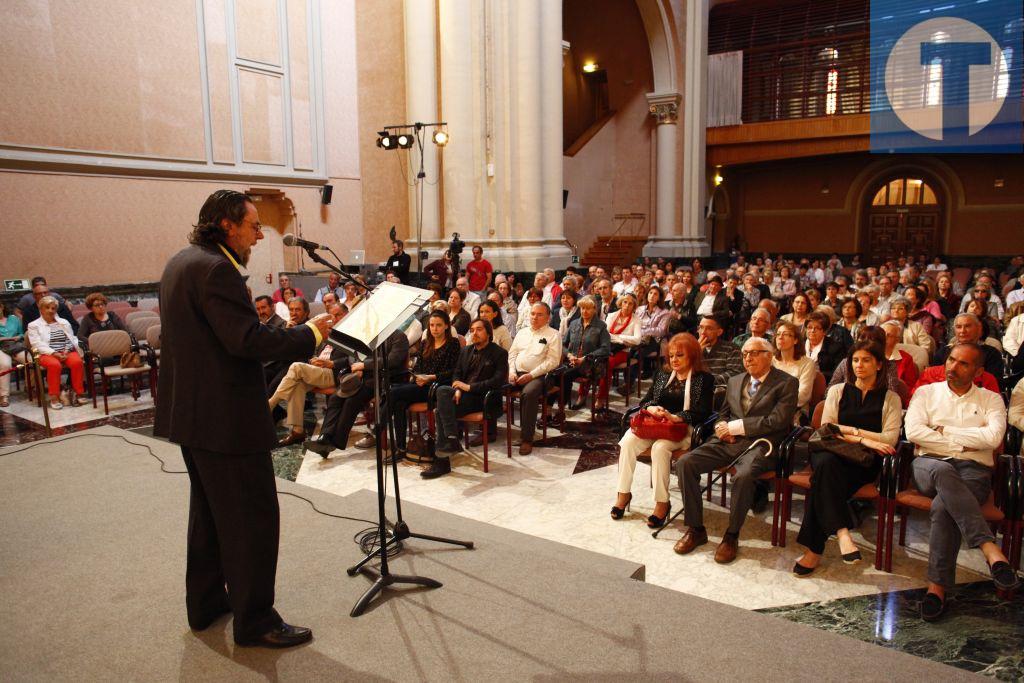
{"x":958,"y":489}
{"x":711,"y":456}
{"x":529,"y":399}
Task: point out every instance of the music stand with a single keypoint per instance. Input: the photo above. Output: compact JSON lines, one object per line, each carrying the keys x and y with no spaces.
{"x":364,"y":331}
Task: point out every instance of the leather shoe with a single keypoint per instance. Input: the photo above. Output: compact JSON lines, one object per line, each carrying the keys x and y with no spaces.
{"x":525,"y":447}
{"x":727,"y":549}
{"x":366,"y":442}
{"x":690,"y":540}
{"x":284,"y":635}
{"x":321,"y":445}
{"x":292,"y":439}
{"x":438,"y":468}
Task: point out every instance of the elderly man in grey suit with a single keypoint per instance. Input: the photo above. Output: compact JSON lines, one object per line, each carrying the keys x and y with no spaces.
{"x":760,"y":404}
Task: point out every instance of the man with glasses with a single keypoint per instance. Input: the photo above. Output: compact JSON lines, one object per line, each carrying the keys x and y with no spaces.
{"x":760,"y":404}
{"x":283,"y":281}
{"x":213,"y":404}
{"x":967,"y":329}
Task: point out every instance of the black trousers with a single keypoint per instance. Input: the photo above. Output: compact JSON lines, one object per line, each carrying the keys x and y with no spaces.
{"x":341,"y":414}
{"x":827,"y":506}
{"x":233,"y":532}
{"x":401,"y":397}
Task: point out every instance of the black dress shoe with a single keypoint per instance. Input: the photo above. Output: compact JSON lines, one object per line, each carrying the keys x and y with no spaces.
{"x":292,"y":439}
{"x":438,"y":468}
{"x":578,"y":405}
{"x":932,"y":607}
{"x":284,"y":635}
{"x":1003,"y":576}
{"x":321,"y":445}
{"x":800,"y":571}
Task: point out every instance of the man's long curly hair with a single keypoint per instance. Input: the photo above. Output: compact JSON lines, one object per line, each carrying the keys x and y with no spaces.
{"x":218,"y":206}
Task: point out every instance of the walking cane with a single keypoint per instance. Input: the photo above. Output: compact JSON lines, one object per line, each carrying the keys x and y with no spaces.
{"x":712,"y":481}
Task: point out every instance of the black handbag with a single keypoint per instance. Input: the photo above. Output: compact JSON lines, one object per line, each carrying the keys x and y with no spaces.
{"x":827,"y":438}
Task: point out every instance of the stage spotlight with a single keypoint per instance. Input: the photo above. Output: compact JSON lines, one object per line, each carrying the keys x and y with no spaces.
{"x":405,"y":140}
{"x":440,"y":138}
{"x":385,"y":141}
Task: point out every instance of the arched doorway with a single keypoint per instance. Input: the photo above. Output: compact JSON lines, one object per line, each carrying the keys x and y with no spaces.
{"x":903,"y":217}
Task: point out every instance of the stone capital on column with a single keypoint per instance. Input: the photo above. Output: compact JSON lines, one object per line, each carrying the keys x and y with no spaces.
{"x":664,"y":107}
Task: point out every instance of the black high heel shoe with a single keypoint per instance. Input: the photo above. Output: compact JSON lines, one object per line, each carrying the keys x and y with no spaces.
{"x":618,"y":512}
{"x":658,"y":522}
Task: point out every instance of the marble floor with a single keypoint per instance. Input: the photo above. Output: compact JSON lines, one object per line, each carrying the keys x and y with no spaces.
{"x":563,"y":490}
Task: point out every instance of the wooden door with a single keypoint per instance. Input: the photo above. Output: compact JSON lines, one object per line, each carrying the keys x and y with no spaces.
{"x":895,"y":233}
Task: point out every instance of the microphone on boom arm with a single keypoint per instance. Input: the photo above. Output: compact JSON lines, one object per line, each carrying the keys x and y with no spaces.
{"x":291,"y":240}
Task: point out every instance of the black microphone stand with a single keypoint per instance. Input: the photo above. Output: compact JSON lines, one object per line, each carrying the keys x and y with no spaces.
{"x":383,"y":424}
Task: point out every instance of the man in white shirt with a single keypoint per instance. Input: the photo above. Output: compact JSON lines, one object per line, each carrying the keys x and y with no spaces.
{"x":955,"y":427}
{"x":536,"y":351}
{"x":627,"y":284}
{"x":470,"y":300}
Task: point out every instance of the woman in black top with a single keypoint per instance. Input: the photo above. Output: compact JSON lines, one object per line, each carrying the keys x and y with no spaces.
{"x":683,"y":392}
{"x":434,"y":362}
{"x":98,"y":319}
{"x":457,"y":314}
{"x":867,"y":414}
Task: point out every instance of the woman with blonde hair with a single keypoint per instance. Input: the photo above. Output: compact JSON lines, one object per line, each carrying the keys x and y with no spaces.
{"x":57,"y":347}
{"x":791,"y":359}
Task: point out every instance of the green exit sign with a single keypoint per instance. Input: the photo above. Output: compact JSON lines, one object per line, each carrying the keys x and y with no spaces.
{"x":575,"y":258}
{"x":17,"y":285}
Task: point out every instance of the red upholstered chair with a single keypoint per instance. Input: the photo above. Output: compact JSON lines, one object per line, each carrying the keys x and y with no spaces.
{"x":1005,"y":497}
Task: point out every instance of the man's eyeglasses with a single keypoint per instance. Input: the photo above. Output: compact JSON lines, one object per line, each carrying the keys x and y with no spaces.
{"x":257,"y":226}
{"x":747,"y":354}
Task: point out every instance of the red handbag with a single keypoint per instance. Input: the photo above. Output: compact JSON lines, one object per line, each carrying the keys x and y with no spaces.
{"x":647,"y":426}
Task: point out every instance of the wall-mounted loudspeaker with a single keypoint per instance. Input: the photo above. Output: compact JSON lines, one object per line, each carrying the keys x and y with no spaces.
{"x":325,"y":194}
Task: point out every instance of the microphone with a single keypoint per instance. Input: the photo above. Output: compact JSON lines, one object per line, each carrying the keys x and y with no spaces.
{"x":291,"y":240}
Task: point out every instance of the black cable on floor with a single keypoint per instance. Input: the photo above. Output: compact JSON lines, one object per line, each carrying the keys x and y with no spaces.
{"x":163,"y":468}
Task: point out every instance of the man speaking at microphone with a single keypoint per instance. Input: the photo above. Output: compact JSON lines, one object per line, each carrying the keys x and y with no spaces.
{"x":212,"y":402}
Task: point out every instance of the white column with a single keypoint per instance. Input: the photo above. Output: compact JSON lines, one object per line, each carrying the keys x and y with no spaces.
{"x":550,"y":138}
{"x":664,"y":108}
{"x":421,"y":105}
{"x":695,"y":108}
{"x":460,"y":22}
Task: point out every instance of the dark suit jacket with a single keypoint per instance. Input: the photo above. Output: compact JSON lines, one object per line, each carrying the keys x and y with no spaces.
{"x":721,"y":309}
{"x":212,"y":394}
{"x":276,"y":321}
{"x":831,"y":355}
{"x":493,"y":371}
{"x":771,"y":410}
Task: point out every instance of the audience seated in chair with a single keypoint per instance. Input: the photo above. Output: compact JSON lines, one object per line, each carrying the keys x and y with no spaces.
{"x":322,"y":371}
{"x":906,"y":369}
{"x":681,"y":392}
{"x":491,"y":312}
{"x":587,"y":346}
{"x":482,"y":367}
{"x":28,"y":309}
{"x":284,"y":282}
{"x":955,"y":428}
{"x":868,"y":414}
{"x":721,"y":358}
{"x":98,"y":319}
{"x":342,"y":410}
{"x":967,"y":329}
{"x":265,"y":310}
{"x":789,"y":357}
{"x":55,"y":346}
{"x":434,"y":362}
{"x":12,"y":350}
{"x":819,"y":346}
{"x":536,"y":351}
{"x":760,"y":403}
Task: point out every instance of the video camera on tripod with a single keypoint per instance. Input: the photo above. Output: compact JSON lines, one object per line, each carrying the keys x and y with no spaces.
{"x":455,"y":248}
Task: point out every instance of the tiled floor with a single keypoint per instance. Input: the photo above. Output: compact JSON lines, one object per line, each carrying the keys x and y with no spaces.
{"x":564,"y":489}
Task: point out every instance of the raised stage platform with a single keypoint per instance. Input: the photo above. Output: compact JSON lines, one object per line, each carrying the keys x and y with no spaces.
{"x":92,"y":567}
